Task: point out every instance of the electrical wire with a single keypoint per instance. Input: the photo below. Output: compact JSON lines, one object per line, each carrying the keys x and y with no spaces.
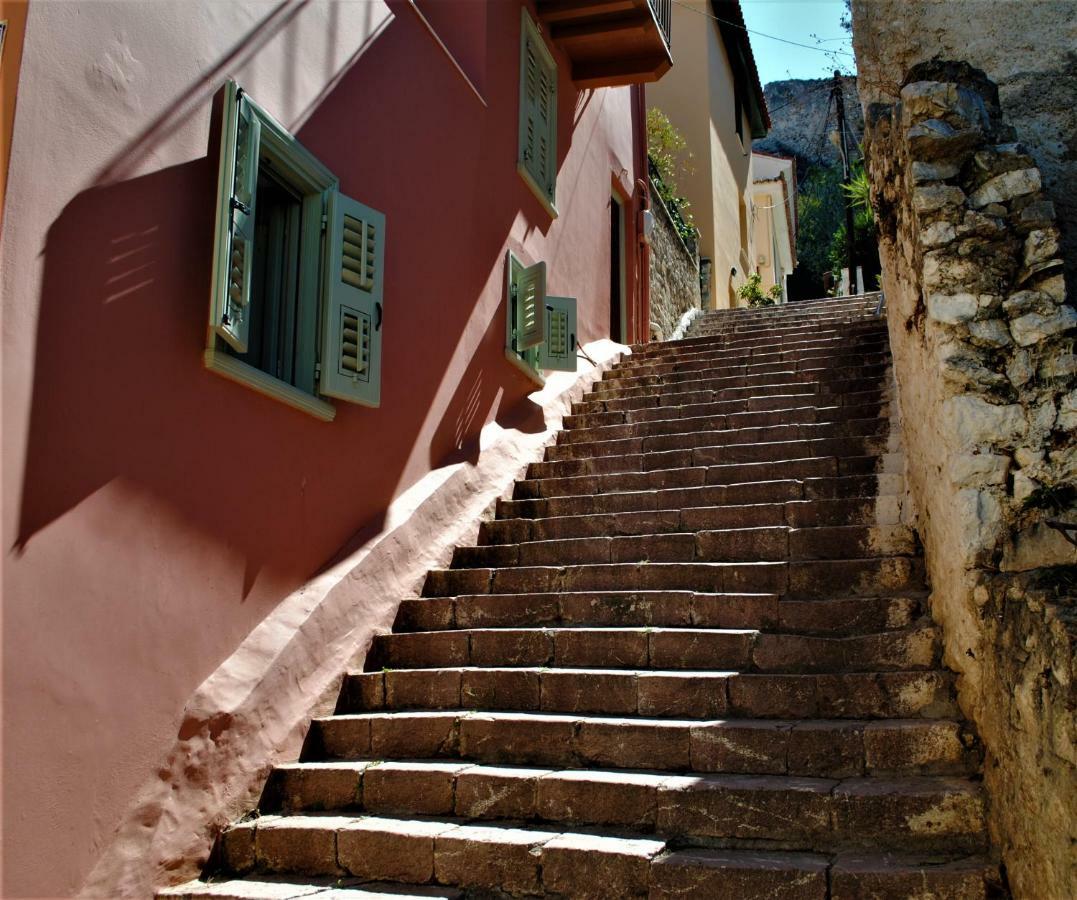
{"x":773,"y":37}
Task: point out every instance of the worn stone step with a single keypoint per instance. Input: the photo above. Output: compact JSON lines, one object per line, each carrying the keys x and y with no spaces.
{"x":802,"y":580}
{"x":669,"y":434}
{"x":797,"y":812}
{"x":775,"y":490}
{"x":795,"y":513}
{"x":823,"y":393}
{"x":721,"y":373}
{"x":661,"y":694}
{"x":527,"y":737}
{"x":915,"y":647}
{"x":752,"y":544}
{"x":709,"y":473}
{"x":854,"y":406}
{"x":500,"y":857}
{"x":705,"y":448}
{"x":853,"y":615}
{"x":271,"y":887}
{"x":719,"y":365}
{"x":763,"y":875}
{"x":822,"y":380}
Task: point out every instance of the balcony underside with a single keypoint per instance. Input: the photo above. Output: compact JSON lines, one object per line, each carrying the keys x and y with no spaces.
{"x":610,"y":42}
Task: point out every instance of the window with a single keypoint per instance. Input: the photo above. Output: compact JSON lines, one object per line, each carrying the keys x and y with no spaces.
{"x":296,"y":306}
{"x":540,"y":331}
{"x":537,"y":155}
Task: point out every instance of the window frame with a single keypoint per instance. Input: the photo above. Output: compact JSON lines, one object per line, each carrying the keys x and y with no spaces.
{"x":305,"y":174}
{"x":526,"y":361}
{"x":529,"y":31}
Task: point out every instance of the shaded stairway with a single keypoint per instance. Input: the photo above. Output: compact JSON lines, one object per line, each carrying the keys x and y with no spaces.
{"x":690,"y":658}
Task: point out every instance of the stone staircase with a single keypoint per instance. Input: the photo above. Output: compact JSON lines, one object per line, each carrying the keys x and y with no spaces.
{"x":689,"y":658}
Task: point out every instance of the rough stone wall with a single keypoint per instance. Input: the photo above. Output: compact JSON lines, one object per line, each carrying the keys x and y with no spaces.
{"x":1027,"y":47}
{"x":674,"y":274}
{"x":981,"y":333}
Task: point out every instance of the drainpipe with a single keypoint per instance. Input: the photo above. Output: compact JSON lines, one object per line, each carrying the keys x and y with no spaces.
{"x":643,"y":270}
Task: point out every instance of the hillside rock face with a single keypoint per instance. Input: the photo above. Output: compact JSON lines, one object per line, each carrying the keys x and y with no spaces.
{"x":798,"y":110}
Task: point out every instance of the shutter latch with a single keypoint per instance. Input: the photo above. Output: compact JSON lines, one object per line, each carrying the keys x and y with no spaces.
{"x":241,"y":206}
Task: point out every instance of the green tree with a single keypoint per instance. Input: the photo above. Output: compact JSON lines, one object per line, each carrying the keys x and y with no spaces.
{"x":820,"y":214}
{"x":671,"y":159}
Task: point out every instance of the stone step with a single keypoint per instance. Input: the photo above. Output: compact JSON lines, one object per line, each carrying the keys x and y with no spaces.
{"x":670,"y":609}
{"x":833,"y":750}
{"x":718,"y":354}
{"x":794,"y":813}
{"x":743,"y":413}
{"x":579,"y":739}
{"x":712,"y":473}
{"x":776,"y":489}
{"x":704,"y":380}
{"x":686,"y":449}
{"x":751,"y":544}
{"x":698,"y":367}
{"x":272,"y":887}
{"x":702,"y":392}
{"x":763,"y":875}
{"x":795,"y":513}
{"x":654,"y":694}
{"x":799,"y":580}
{"x":726,"y":429}
{"x":856,"y":352}
{"x":914,"y":647}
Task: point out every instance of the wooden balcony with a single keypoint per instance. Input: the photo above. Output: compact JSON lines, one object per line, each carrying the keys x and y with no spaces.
{"x":611,"y":42}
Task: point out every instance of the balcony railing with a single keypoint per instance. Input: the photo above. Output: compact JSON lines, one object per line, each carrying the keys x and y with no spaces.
{"x":663,"y":15}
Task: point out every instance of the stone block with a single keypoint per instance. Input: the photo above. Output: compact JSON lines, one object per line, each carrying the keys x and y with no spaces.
{"x":597,"y":867}
{"x":610,"y":692}
{"x":632,"y":744}
{"x":422,"y":688}
{"x":757,"y":747}
{"x":415,"y":734}
{"x":493,"y":688}
{"x":973,"y":421}
{"x":416,"y":789}
{"x":599,"y":798}
{"x":952,"y":308}
{"x":491,"y":792}
{"x":684,"y":695}
{"x":1007,"y":186}
{"x":301,"y":844}
{"x":1032,"y":327}
{"x":524,"y":740}
{"x":826,"y":749}
{"x":755,"y":875}
{"x":390,"y":849}
{"x":507,"y":859}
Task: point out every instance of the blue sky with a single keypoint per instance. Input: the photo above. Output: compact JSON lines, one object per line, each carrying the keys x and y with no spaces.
{"x":803,"y":21}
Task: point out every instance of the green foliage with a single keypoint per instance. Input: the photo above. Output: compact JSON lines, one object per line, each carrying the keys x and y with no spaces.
{"x":750,"y":292}
{"x":863,"y":235}
{"x":820,"y":213}
{"x":670,"y":160}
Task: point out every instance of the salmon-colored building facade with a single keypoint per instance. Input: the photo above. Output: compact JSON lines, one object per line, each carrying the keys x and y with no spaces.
{"x":156,"y":514}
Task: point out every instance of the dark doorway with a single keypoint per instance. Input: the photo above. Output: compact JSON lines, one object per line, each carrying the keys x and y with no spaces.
{"x":616,"y":269}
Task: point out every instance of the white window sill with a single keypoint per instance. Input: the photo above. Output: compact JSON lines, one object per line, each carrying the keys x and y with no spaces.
{"x":533,"y":374}
{"x":547,"y":204}
{"x":238,"y":371}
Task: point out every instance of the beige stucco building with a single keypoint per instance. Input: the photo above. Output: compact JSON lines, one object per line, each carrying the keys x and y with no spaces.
{"x":774,"y":219}
{"x":714,"y":98}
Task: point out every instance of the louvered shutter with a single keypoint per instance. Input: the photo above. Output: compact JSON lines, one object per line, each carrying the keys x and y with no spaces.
{"x":530,"y":296}
{"x":352,"y":301}
{"x":558,"y":351}
{"x":538,"y":110}
{"x":234,"y":257}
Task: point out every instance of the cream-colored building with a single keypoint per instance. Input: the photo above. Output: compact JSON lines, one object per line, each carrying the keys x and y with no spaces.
{"x":774,"y":219}
{"x":714,"y":98}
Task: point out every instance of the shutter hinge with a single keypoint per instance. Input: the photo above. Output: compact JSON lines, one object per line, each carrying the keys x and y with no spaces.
{"x":241,"y":206}
{"x":318,"y":371}
{"x":325,"y":222}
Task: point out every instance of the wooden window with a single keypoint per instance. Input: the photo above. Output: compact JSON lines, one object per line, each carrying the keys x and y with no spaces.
{"x":296,"y":306}
{"x":537,"y":156}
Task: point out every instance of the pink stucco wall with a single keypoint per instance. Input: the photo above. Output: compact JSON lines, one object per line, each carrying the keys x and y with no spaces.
{"x":155,"y":513}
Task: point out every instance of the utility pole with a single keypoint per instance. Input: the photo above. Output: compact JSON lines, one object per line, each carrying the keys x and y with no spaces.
{"x":846,"y":173}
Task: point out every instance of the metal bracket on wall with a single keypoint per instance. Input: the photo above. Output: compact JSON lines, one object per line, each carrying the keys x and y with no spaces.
{"x":881,"y":305}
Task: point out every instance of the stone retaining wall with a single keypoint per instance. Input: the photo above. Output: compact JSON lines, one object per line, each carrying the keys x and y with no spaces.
{"x":674,"y":274}
{"x":981,"y":334}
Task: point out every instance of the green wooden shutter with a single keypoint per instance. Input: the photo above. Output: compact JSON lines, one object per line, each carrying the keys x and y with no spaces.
{"x":538,"y":110}
{"x":352,"y":302}
{"x":530,"y":297}
{"x":237,"y":186}
{"x":558,"y":351}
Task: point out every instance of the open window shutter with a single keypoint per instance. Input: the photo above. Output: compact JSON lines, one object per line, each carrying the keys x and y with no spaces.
{"x":353,"y":291}
{"x":233,"y":262}
{"x":530,"y":296}
{"x":558,"y":351}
